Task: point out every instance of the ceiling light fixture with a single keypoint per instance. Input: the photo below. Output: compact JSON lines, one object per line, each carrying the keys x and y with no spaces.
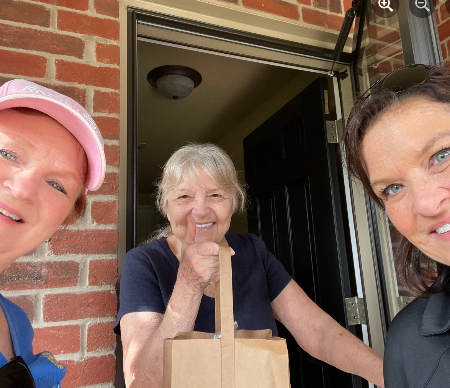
{"x":174,"y":81}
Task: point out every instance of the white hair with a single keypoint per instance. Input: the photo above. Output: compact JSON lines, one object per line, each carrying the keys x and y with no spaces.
{"x":193,"y":158}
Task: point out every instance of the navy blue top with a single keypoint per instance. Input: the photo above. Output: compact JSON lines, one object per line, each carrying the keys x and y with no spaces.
{"x":46,"y":371}
{"x":417,"y":353}
{"x":150,"y":271}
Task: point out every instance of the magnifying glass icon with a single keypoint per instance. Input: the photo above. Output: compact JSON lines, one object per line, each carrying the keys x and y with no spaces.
{"x":422,"y":4}
{"x":386,"y":4}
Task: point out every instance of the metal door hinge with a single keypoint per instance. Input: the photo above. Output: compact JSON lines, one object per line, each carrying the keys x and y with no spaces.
{"x":356,"y":312}
{"x":335,"y":129}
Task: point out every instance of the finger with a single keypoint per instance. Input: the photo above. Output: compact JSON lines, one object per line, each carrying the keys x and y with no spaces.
{"x":189,"y":237}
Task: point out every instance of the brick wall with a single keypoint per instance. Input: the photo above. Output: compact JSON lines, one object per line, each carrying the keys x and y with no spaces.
{"x":326,"y":14}
{"x":68,"y":286}
{"x":443,"y":21}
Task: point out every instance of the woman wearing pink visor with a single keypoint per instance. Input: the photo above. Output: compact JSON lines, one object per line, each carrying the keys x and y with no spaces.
{"x":51,"y":154}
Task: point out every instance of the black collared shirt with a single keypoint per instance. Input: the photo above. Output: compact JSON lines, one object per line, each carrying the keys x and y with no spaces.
{"x":418,"y":344}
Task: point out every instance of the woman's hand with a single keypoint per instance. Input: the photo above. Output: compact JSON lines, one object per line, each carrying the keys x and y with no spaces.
{"x":199,"y":262}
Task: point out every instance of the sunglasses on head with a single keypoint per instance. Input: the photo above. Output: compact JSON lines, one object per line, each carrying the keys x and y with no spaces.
{"x":16,"y":374}
{"x":399,"y":80}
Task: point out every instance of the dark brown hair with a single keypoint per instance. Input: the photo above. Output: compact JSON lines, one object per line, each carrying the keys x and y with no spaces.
{"x":422,"y":274}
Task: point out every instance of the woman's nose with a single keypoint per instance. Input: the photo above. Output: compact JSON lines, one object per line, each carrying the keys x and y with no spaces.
{"x":429,"y":197}
{"x":200,"y":208}
{"x":24,"y":183}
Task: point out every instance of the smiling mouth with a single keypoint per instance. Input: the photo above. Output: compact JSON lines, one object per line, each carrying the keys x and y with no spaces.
{"x":203,"y":226}
{"x":10,"y":215}
{"x":443,"y":229}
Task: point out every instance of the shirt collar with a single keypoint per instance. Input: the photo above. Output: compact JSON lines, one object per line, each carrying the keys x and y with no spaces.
{"x":436,"y":317}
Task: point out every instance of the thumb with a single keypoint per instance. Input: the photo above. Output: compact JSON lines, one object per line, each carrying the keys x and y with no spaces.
{"x":191,"y":229}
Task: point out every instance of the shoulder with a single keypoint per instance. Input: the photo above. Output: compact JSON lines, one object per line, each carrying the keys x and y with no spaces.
{"x":154,"y":250}
{"x":245,"y":241}
{"x":408,"y":320}
{"x":15,"y":312}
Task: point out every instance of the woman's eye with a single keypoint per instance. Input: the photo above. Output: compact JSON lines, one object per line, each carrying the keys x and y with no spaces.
{"x":441,"y":156}
{"x":215,"y":195}
{"x":58,"y":186}
{"x":9,"y":155}
{"x":183,"y":196}
{"x":392,"y":189}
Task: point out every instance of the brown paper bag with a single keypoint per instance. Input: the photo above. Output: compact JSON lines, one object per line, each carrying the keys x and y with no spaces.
{"x":239,"y":359}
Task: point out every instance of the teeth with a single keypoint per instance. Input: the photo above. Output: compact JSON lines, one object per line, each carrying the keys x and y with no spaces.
{"x":10,"y":215}
{"x":204,"y":225}
{"x":443,"y":229}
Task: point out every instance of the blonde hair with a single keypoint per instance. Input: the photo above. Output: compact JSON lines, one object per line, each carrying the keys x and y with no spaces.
{"x":190,"y":160}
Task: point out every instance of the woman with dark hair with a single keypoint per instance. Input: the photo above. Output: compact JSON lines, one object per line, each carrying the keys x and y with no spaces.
{"x":51,"y":154}
{"x":397,"y":143}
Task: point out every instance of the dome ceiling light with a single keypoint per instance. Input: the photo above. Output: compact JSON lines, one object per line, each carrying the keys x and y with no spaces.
{"x":174,"y":81}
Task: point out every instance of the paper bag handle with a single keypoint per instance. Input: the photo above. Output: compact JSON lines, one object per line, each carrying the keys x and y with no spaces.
{"x":224,"y":315}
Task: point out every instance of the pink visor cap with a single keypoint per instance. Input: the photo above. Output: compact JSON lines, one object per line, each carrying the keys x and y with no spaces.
{"x":70,"y":114}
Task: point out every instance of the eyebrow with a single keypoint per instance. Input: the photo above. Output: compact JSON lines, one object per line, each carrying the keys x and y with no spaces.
{"x":433,"y":140}
{"x":422,"y":152}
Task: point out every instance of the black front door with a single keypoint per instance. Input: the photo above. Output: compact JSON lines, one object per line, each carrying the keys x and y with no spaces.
{"x":295,"y":208}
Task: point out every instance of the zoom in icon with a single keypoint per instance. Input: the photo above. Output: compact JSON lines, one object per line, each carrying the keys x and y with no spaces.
{"x":385,"y":8}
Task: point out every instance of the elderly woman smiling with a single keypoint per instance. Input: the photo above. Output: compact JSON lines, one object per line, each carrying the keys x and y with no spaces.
{"x":51,"y":153}
{"x":398,"y":144}
{"x":167,"y":285}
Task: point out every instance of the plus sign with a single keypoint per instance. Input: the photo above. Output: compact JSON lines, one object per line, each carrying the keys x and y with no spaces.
{"x":384,"y":3}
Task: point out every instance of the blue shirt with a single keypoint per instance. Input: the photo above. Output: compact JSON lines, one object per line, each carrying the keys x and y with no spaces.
{"x":150,"y":271}
{"x":46,"y":371}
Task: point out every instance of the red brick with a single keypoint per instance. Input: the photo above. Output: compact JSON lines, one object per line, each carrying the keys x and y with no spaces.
{"x":81,"y":5}
{"x":335,"y":6}
{"x":347,"y":4}
{"x":384,"y":67}
{"x":39,"y":275}
{"x":112,"y":155}
{"x":443,"y":13}
{"x":27,"y":302}
{"x":384,"y":34}
{"x":108,"y":53}
{"x":57,"y":339}
{"x":100,"y":336}
{"x":110,"y":186}
{"x":444,"y":30}
{"x":107,"y":7}
{"x":22,"y":64}
{"x":105,"y":213}
{"x":322,"y":19}
{"x":304,"y":2}
{"x":276,"y":7}
{"x":88,"y":25}
{"x":49,"y":42}
{"x":109,"y":126}
{"x":65,"y":307}
{"x":25,"y":12}
{"x":106,"y":77}
{"x":106,"y":102}
{"x":103,"y":272}
{"x":94,"y":241}
{"x":323,"y":4}
{"x":93,"y":370}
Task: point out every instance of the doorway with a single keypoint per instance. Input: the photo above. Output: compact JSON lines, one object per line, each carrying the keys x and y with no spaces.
{"x":284,"y":61}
